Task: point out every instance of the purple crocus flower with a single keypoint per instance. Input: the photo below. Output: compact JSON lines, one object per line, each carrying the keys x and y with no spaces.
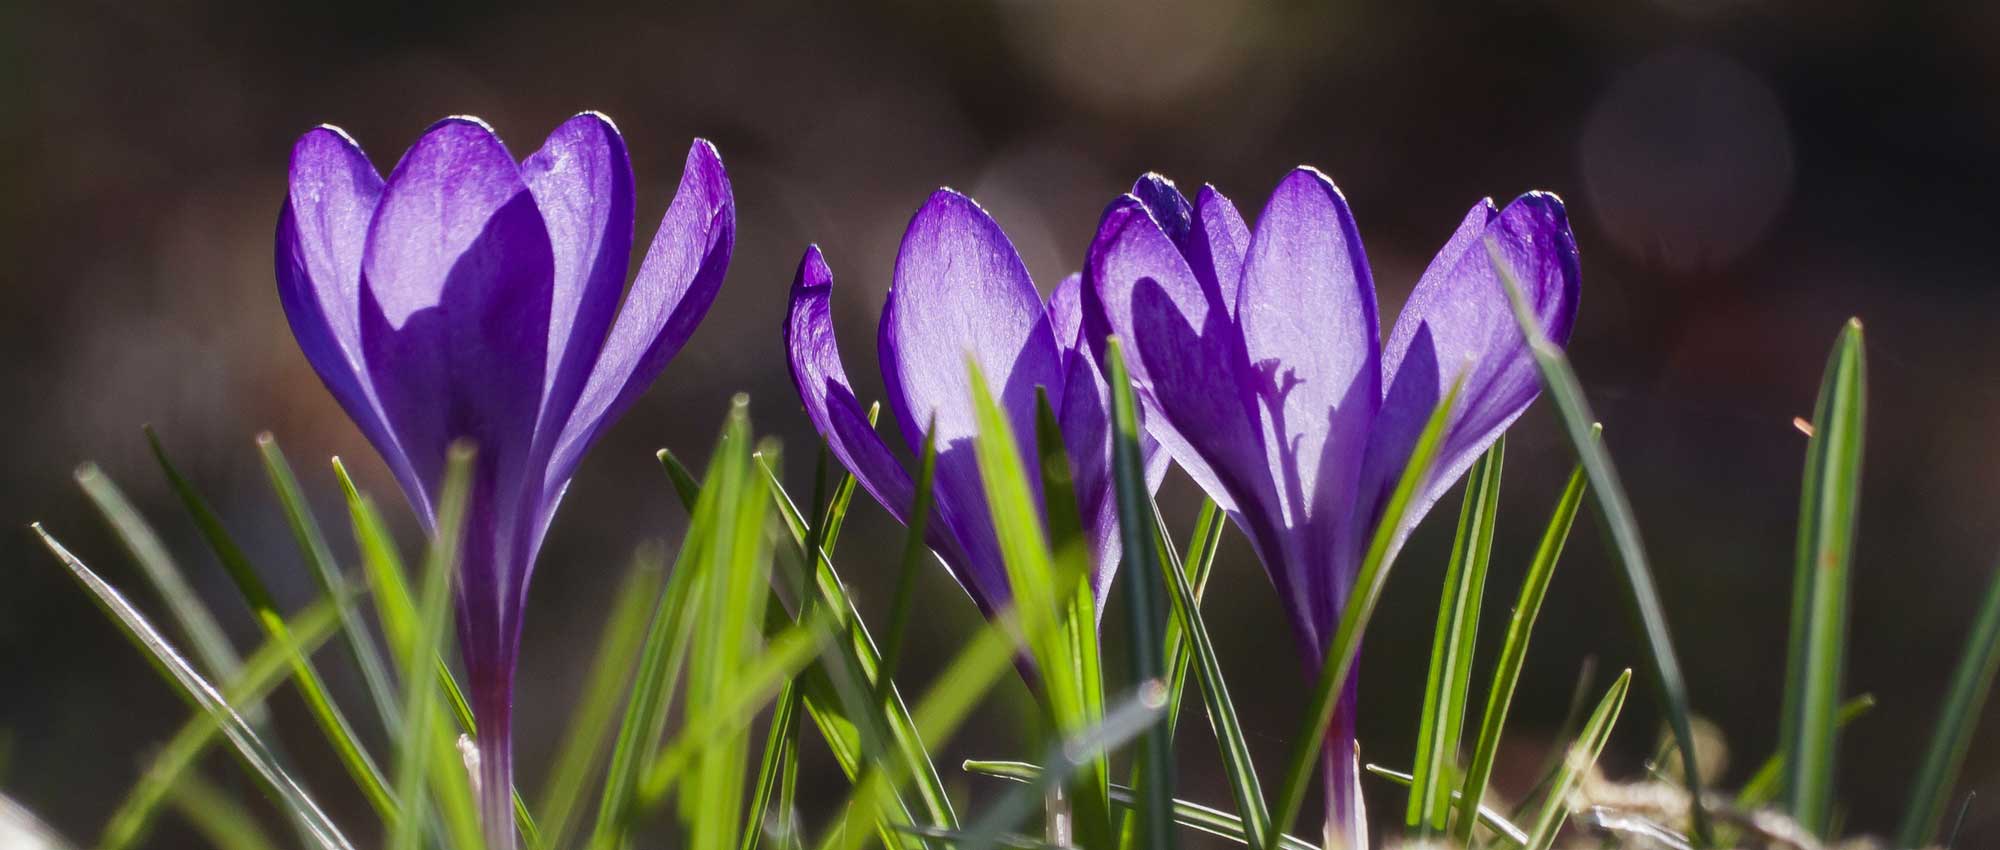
{"x":474,"y":297}
{"x":960,"y":290}
{"x":1258,"y":360}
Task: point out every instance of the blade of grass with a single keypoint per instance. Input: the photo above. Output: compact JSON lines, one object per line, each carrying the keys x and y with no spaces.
{"x":198,"y":691}
{"x":1489,"y":818}
{"x":583,"y":748}
{"x":1764,"y":785}
{"x":1958,"y":716}
{"x":325,"y":568}
{"x":333,"y":724}
{"x":219,"y":819}
{"x":1145,"y":607}
{"x":1075,"y":753}
{"x":914,"y":552}
{"x":417,"y":741}
{"x":262,"y":672}
{"x":779,"y":761}
{"x":1453,"y":645}
{"x":1188,"y":814}
{"x":1200,"y":561}
{"x":204,"y":635}
{"x":1579,"y":699}
{"x":1089,"y":794}
{"x":757,"y":684}
{"x":1369,"y":581}
{"x":1582,"y":756}
{"x":1828,"y":506}
{"x":1619,"y":522}
{"x":1237,"y":764}
{"x":1513,"y":654}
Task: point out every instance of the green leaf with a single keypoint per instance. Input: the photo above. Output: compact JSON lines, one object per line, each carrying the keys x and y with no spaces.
{"x":1070,"y":756}
{"x":1513,"y":654}
{"x":1492,"y":820}
{"x":204,"y":635}
{"x":333,"y":725}
{"x":325,"y":568}
{"x":915,"y":552}
{"x":263,"y":671}
{"x":1958,"y":716}
{"x":757,"y":683}
{"x":198,"y":691}
{"x":1827,"y":509}
{"x":1202,"y":544}
{"x":1453,"y":645}
{"x":1369,"y":581}
{"x":1616,"y":512}
{"x":422,"y":734}
{"x":780,"y":760}
{"x":1764,"y":785}
{"x":1582,"y":756}
{"x":1145,"y":606}
{"x":1192,"y":815}
{"x":219,"y":819}
{"x":583,"y":747}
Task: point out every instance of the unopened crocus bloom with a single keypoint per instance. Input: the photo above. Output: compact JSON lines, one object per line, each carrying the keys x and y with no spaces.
{"x":960,"y":291}
{"x":1259,"y":362}
{"x":475,"y":297}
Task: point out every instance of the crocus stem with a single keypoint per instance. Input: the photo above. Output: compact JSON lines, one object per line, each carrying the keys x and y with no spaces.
{"x":496,"y":766}
{"x":1346,"y":814}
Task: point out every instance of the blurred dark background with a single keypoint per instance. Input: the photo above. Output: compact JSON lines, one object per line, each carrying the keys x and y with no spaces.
{"x":1742,"y":176}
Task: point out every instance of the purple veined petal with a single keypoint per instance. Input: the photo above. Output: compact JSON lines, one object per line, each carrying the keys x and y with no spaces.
{"x":1216,"y":245}
{"x":1065,"y":308}
{"x":582,"y":183}
{"x":1307,"y":306}
{"x":960,"y":291}
{"x":823,"y":386}
{"x":675,"y":286}
{"x":1458,"y":320}
{"x":1169,"y":208}
{"x":455,"y":292}
{"x":1192,"y":376}
{"x":322,"y":231}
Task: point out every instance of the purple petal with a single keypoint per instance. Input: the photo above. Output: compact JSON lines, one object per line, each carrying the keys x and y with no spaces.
{"x":1065,"y":308}
{"x":582,"y":183}
{"x":1308,"y":312}
{"x":1164,"y":201}
{"x":1187,"y":364}
{"x":676,"y":284}
{"x":1216,"y":245}
{"x":1458,"y":321}
{"x":829,"y":398}
{"x":322,"y":232}
{"x":455,"y":298}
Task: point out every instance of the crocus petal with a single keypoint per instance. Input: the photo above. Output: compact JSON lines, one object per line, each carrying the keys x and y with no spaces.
{"x":1216,"y":245}
{"x":322,"y":232}
{"x":455,"y":298}
{"x":1458,"y":321}
{"x":676,"y":284}
{"x":582,"y":183}
{"x":1168,"y":207}
{"x":961,"y":291}
{"x":829,"y":398}
{"x":1307,"y":307}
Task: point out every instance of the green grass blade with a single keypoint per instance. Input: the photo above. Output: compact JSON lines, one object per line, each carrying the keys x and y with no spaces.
{"x":219,"y":819}
{"x":1958,"y":716}
{"x":1188,"y":814}
{"x":333,"y":724}
{"x":1089,"y":794}
{"x":204,"y":635}
{"x":686,"y":486}
{"x":1513,"y":654}
{"x":582,"y":752}
{"x":326,"y":570}
{"x":262,"y":672}
{"x":1828,"y":507}
{"x":1763,"y":785}
{"x":1237,"y":764}
{"x":1146,"y":606}
{"x":757,"y":683}
{"x":1200,"y":562}
{"x":1369,"y":581}
{"x":204,"y":695}
{"x":915,"y":552}
{"x":1582,"y":756}
{"x":1619,"y":522}
{"x":1070,"y":756}
{"x":1513,"y":835}
{"x":417,"y":741}
{"x":780,"y":760}
{"x":1453,"y":645}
